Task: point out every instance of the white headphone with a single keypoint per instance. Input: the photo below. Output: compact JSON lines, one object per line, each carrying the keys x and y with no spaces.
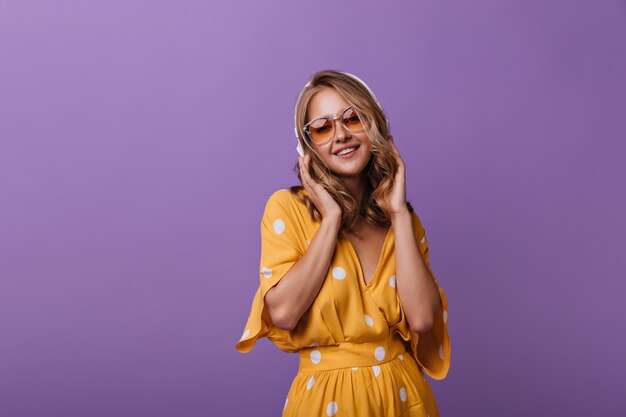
{"x":299,"y":147}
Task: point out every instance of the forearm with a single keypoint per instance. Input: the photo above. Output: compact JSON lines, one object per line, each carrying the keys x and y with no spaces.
{"x":415,"y":284}
{"x":293,"y":295}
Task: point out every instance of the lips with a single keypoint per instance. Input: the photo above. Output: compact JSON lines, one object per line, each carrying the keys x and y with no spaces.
{"x":346,"y":147}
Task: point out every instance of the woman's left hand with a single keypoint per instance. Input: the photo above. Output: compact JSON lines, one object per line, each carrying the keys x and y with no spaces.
{"x":395,"y":200}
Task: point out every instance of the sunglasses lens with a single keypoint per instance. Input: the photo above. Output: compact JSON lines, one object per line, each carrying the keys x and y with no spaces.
{"x":321,"y":130}
{"x":352,"y":121}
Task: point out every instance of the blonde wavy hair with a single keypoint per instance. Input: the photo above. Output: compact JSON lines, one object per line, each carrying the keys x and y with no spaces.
{"x":380,"y":170}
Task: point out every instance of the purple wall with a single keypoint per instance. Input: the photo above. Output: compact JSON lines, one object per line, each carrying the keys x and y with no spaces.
{"x":139,"y":141}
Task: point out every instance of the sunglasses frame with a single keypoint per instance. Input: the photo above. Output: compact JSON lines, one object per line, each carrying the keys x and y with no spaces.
{"x":332,"y":119}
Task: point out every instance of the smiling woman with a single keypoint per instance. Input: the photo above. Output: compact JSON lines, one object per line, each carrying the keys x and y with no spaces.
{"x":345,"y":278}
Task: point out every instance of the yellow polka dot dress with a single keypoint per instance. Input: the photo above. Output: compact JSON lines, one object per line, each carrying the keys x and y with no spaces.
{"x":358,"y":356}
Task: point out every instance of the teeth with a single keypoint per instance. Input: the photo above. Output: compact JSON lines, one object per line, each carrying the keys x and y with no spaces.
{"x":346,"y":151}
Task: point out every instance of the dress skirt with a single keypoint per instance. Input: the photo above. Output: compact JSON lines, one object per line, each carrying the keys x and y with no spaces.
{"x":360,"y":379}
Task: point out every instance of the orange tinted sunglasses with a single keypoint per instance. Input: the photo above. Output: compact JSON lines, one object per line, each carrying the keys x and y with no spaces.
{"x":322,"y":129}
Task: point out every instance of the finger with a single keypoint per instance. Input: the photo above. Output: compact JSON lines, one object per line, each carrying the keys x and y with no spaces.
{"x":307,"y":163}
{"x":305,"y":173}
{"x":400,"y":162}
{"x":300,"y":165}
{"x":313,"y":185}
{"x":393,"y":147}
{"x":304,"y":176}
{"x":396,"y":152}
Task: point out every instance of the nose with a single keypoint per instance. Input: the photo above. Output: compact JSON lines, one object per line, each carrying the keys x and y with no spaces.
{"x":340,"y":130}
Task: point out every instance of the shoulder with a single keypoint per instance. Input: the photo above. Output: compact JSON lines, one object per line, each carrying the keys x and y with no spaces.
{"x":281,"y":197}
{"x":285,"y":196}
{"x":284,"y":212}
{"x":283,"y":201}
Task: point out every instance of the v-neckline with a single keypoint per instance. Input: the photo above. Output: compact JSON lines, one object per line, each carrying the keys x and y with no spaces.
{"x":380,"y":258}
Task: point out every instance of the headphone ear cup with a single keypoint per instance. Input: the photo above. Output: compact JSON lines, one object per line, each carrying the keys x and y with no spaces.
{"x":299,"y":147}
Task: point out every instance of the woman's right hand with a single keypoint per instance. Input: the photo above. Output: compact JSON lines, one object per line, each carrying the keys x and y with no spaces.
{"x":324,"y":202}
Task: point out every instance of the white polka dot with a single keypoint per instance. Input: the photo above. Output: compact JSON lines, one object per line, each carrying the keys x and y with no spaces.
{"x":368,"y":320}
{"x":309,"y":384}
{"x":285,"y":406}
{"x":403,"y":394}
{"x":423,"y":239}
{"x":339,"y":273}
{"x":355,"y":368}
{"x":445,"y":316}
{"x":316,"y":356}
{"x":246,"y":333}
{"x":441,"y":351}
{"x":313,"y":344}
{"x":331,"y":408}
{"x":401,"y":357}
{"x":376,"y":370}
{"x":380,"y":353}
{"x":318,"y":310}
{"x":308,"y":242}
{"x":267,"y":272}
{"x":279,"y":226}
{"x":392,"y":281}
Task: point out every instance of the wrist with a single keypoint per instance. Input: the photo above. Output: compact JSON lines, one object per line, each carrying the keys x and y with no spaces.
{"x":400,"y":215}
{"x":332,"y":220}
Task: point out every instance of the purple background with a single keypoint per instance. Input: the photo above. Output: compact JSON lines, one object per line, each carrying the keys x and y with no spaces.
{"x":141,"y":139}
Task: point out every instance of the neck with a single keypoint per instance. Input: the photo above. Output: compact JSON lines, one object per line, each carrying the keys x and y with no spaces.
{"x":356,"y":187}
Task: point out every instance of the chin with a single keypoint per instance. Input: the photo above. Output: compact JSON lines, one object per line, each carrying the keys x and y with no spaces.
{"x":343,"y":172}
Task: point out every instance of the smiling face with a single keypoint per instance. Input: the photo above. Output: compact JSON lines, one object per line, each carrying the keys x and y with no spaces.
{"x":327,"y":102}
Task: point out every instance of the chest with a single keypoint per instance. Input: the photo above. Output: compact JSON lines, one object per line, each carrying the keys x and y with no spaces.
{"x":368,"y":247}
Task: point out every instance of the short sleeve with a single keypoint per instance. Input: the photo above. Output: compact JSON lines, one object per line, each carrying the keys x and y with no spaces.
{"x":430,"y":349}
{"x":281,"y":247}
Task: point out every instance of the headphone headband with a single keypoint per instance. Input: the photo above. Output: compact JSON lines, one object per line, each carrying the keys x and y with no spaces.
{"x":308,"y":84}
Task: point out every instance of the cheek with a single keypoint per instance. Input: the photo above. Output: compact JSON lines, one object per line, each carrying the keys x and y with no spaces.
{"x":366,"y":150}
{"x":364,"y":141}
{"x":326,"y":159}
